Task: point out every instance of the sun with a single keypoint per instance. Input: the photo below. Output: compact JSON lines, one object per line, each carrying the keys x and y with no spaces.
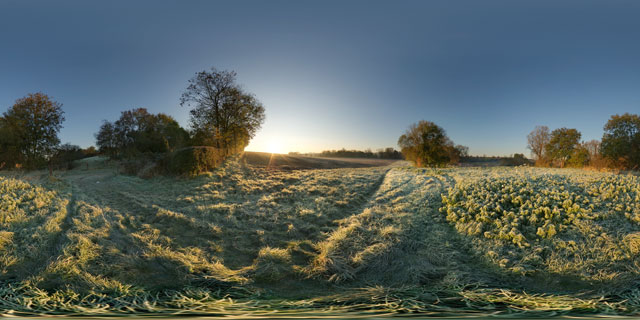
{"x":275,"y":146}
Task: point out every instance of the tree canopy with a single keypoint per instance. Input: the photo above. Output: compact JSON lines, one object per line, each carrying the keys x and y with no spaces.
{"x":427,"y":145}
{"x":29,"y":131}
{"x":137,"y":132}
{"x":223,"y":115}
{"x":562,"y":144}
{"x":621,"y":140}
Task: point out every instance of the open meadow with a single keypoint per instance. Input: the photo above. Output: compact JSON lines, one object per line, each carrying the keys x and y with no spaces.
{"x":319,"y":159}
{"x":249,"y":240}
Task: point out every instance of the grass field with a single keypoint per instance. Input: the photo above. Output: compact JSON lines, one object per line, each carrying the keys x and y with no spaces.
{"x":249,"y":239}
{"x":291,"y":162}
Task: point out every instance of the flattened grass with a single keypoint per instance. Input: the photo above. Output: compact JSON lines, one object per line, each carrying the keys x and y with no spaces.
{"x":248,"y":241}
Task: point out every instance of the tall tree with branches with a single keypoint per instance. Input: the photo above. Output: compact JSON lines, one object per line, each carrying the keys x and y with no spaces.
{"x":223,"y":115}
{"x":537,"y":141}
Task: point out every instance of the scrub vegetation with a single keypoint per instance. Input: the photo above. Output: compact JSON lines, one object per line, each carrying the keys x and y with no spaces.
{"x":252,"y":240}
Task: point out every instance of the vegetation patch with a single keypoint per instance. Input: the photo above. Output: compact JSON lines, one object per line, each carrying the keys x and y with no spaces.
{"x":273,"y":264}
{"x":572,"y":223}
{"x":195,"y":160}
{"x":244,"y":240}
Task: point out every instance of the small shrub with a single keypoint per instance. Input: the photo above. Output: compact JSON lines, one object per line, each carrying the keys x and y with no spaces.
{"x":194,"y":160}
{"x":518,"y":159}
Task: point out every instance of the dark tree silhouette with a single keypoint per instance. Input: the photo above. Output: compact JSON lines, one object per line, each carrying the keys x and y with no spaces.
{"x":137,"y":131}
{"x":31,"y":126}
{"x":222,"y":114}
{"x":106,"y":139}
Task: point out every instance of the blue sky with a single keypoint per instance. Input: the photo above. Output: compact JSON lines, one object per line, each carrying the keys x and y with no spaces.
{"x":335,"y":74}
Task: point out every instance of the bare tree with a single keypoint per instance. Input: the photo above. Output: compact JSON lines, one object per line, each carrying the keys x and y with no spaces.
{"x":537,"y":140}
{"x":593,"y":147}
{"x":596,"y":159}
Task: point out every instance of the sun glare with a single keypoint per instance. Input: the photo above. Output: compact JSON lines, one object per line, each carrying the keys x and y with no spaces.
{"x":275,"y":146}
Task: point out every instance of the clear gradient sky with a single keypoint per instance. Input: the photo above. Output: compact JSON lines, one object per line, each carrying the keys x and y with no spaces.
{"x":335,"y":74}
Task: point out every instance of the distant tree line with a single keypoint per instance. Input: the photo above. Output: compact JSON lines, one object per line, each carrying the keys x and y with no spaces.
{"x":562,"y":147}
{"x":518,"y":159}
{"x":427,"y":145}
{"x":386,"y":153}
{"x":224,"y":118}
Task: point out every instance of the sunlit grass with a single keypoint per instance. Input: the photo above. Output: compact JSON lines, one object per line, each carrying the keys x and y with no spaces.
{"x":248,"y":241}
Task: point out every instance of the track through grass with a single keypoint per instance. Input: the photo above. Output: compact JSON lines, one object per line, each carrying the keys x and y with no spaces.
{"x":373,"y":241}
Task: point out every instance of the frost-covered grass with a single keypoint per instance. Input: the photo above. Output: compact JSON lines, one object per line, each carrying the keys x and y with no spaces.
{"x":31,"y":220}
{"x":568,"y":223}
{"x":246,"y":240}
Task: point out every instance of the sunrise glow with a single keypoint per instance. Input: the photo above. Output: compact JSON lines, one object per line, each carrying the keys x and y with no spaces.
{"x":275,"y":146}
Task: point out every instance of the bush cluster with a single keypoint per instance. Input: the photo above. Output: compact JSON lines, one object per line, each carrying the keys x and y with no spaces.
{"x":194,"y":160}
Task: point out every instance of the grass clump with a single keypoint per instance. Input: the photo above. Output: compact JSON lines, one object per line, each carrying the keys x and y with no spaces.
{"x":632,"y":241}
{"x":273,"y":264}
{"x":6,"y":238}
